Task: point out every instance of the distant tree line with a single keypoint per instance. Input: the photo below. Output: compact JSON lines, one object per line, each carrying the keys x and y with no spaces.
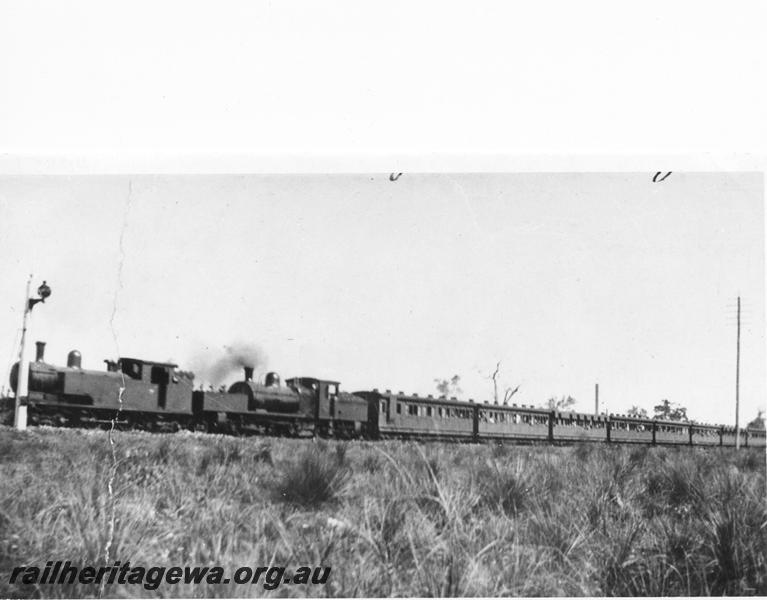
{"x":666,"y":411}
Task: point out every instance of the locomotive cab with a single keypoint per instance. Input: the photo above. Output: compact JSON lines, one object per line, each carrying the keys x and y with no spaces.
{"x":322,"y":394}
{"x":159,"y":380}
{"x":333,"y":411}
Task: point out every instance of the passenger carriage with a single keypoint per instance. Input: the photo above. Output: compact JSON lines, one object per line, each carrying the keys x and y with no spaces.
{"x":757,"y":438}
{"x":705,"y":435}
{"x":573,"y":426}
{"x":729,"y":437}
{"x":630,"y":430}
{"x":672,"y":433}
{"x":497,"y":422}
{"x":403,"y":415}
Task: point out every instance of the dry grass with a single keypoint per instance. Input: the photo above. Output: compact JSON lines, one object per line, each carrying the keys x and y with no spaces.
{"x":390,"y":518}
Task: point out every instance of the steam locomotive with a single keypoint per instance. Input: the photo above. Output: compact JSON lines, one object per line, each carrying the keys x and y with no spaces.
{"x":141,"y":394}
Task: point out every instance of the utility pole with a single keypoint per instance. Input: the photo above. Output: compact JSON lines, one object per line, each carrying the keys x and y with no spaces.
{"x":22,"y":384}
{"x":737,"y":385}
{"x":596,"y":399}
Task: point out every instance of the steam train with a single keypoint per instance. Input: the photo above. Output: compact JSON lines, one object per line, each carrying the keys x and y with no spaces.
{"x":141,"y":394}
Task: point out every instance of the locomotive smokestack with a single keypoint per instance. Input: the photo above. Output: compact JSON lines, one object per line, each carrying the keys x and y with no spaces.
{"x":248,"y":373}
{"x":40,"y":356}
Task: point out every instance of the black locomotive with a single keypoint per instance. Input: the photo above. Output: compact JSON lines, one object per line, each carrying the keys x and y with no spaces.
{"x":143,"y":394}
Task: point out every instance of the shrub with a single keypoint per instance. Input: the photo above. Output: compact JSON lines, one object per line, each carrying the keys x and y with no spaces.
{"x":506,"y":487}
{"x":752,"y":459}
{"x":163,"y":451}
{"x":262,"y":453}
{"x":315,"y":477}
{"x":675,"y":486}
{"x":370,"y":462}
{"x":583,"y":451}
{"x":638,"y":455}
{"x":211,"y":457}
{"x":340,"y":450}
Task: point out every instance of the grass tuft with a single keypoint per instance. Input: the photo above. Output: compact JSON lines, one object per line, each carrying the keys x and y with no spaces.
{"x":504,"y":486}
{"x":314,"y":478}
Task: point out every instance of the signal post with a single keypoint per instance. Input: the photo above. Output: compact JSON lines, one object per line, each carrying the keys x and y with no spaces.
{"x":22,"y":385}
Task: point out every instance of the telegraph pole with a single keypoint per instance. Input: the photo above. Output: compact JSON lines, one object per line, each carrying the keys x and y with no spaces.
{"x":737,"y":385}
{"x":596,"y":399}
{"x":22,"y":383}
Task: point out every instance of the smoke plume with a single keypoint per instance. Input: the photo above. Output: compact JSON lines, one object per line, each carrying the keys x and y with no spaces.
{"x":214,"y":368}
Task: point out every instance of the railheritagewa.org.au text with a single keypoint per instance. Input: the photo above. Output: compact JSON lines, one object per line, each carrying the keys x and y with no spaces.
{"x":151,"y":577}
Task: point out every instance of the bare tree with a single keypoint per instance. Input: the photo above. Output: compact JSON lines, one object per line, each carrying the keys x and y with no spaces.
{"x":508,"y":393}
{"x":494,"y":377}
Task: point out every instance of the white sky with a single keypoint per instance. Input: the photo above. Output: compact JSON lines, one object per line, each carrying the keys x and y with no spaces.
{"x":568,"y":279}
